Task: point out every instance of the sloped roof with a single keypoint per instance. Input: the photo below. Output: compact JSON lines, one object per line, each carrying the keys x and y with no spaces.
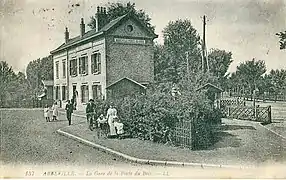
{"x":131,"y":80}
{"x":93,"y":33}
{"x":210,"y":85}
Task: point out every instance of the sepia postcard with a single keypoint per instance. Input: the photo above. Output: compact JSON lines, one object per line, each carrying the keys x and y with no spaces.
{"x":131,"y":89}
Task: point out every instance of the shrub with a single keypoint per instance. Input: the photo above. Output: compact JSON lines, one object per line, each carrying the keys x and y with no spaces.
{"x":153,"y":116}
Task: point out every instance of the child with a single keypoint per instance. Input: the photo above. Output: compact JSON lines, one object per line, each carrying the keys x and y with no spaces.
{"x":119,"y":127}
{"x":103,"y":126}
{"x":55,"y":111}
{"x":47,"y":113}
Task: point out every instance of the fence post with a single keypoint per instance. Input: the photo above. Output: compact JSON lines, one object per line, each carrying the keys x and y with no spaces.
{"x":269,"y":114}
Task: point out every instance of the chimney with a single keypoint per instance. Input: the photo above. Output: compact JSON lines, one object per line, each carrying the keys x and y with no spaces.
{"x":82,"y":27}
{"x":67,"y":35}
{"x":101,"y":18}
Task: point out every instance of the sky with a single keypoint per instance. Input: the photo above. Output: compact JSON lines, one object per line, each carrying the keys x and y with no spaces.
{"x":30,"y":29}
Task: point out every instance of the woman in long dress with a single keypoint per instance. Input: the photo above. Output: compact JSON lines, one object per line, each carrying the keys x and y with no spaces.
{"x":111,"y":114}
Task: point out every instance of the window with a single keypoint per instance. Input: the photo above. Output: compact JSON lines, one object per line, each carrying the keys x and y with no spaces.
{"x":96,"y":63}
{"x":57,"y":69}
{"x":84,"y":93}
{"x":73,"y":67}
{"x":83,"y":65}
{"x":64,"y":92}
{"x":64,"y":69}
{"x":57,"y":92}
{"x":96,"y":91}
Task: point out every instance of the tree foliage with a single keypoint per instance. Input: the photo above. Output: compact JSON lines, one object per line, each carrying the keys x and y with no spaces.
{"x":118,"y":9}
{"x":251,"y":72}
{"x":219,"y":62}
{"x":180,"y":38}
{"x":282,"y":39}
{"x":13,"y":86}
{"x":38,"y":70}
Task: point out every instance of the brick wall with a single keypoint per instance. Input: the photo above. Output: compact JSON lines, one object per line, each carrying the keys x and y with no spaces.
{"x":129,"y":60}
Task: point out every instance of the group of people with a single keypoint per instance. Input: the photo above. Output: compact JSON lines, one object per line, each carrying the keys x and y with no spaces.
{"x":109,"y":124}
{"x":55,"y":112}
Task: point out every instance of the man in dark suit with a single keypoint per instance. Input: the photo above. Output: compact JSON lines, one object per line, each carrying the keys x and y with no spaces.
{"x":69,"y":110}
{"x":90,"y":112}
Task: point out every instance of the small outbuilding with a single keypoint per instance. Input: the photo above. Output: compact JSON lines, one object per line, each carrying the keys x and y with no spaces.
{"x":213,"y":93}
{"x":125,"y":87}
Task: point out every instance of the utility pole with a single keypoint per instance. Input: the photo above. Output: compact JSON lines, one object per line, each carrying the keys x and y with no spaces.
{"x":204,"y":43}
{"x":188,"y":71}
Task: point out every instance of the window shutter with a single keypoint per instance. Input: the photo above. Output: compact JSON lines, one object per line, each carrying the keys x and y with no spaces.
{"x":82,"y":94}
{"x":80,"y":65}
{"x":71,"y":63}
{"x":86,"y":65}
{"x":99,"y":93}
{"x":92,"y":63}
{"x":99,"y":63}
{"x":75,"y":67}
{"x":93,"y":91}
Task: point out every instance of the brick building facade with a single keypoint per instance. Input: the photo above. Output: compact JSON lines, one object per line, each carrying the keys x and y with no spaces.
{"x":120,"y":49}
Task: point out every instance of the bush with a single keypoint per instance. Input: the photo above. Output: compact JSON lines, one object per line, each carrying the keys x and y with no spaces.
{"x":154,"y":116}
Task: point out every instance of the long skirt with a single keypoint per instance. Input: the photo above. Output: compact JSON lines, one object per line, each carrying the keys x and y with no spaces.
{"x":112,"y":131}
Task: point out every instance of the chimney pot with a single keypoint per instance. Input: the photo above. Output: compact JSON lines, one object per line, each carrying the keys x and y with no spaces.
{"x":82,"y":27}
{"x":66,"y":35}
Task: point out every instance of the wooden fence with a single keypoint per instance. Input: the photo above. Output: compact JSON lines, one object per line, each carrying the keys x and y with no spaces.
{"x":194,"y":134}
{"x":261,"y":114}
{"x":182,"y":135}
{"x":231,"y":102}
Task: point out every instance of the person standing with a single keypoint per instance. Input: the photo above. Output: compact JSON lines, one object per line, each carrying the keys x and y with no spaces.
{"x":69,"y":110}
{"x":90,"y":110}
{"x":55,"y":111}
{"x":47,"y":113}
{"x":111,"y":114}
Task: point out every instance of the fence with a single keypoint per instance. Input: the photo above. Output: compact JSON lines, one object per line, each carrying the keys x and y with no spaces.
{"x":28,"y":103}
{"x":231,"y":102}
{"x":183,"y":134}
{"x":261,"y":114}
{"x":194,"y":134}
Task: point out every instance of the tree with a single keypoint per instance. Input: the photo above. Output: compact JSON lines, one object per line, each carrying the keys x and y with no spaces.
{"x":282,"y":39}
{"x":251,"y":73}
{"x":115,"y":10}
{"x":180,"y":38}
{"x":13,"y":87}
{"x":6,"y":76}
{"x":219,"y":62}
{"x":277,"y":82}
{"x":38,"y":70}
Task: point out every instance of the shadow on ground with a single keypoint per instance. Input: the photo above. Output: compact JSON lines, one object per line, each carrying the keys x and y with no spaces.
{"x":223,"y":136}
{"x":235,"y":127}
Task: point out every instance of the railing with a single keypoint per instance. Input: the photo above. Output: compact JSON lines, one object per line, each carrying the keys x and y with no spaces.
{"x":231,"y":102}
{"x":261,"y":114}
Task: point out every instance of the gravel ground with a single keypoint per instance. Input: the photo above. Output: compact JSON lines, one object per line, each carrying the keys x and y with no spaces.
{"x":30,"y":145}
{"x":238,"y":143}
